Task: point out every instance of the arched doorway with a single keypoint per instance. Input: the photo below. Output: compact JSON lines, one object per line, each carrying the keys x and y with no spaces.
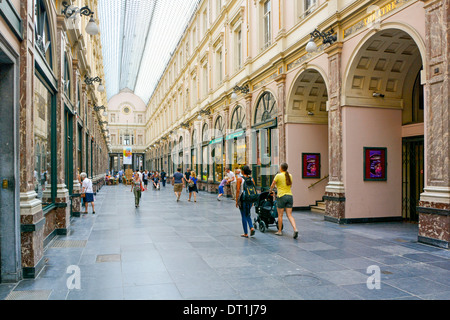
{"x":383,"y":120}
{"x":307,"y":138}
{"x":265,"y":140}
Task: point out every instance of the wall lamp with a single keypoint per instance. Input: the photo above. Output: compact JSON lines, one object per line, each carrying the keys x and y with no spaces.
{"x":243,"y":89}
{"x":90,"y":81}
{"x":96,"y":108}
{"x":72,"y":12}
{"x":203,"y":112}
{"x":328,"y":37}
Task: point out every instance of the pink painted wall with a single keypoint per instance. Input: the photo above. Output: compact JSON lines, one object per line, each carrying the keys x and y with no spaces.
{"x":372,"y":127}
{"x":311,"y":138}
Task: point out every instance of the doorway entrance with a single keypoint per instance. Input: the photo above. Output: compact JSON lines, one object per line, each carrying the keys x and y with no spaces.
{"x":412,"y":176}
{"x":10,"y":243}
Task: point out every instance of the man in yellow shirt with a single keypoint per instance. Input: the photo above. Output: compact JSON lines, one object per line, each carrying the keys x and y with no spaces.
{"x":285,"y":201}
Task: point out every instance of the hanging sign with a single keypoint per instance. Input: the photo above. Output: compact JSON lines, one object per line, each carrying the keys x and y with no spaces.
{"x":127,"y":155}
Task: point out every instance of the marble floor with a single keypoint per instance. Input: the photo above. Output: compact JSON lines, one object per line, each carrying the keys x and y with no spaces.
{"x":169,"y":250}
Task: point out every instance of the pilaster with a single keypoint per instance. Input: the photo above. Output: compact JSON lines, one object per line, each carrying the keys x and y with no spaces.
{"x":434,"y":205}
{"x":335,"y":191}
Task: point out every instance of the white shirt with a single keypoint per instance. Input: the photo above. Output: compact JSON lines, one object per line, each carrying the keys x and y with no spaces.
{"x":231,"y":175}
{"x":87,"y":185}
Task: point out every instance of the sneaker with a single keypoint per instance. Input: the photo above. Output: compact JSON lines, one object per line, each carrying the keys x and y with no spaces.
{"x":295,"y":234}
{"x":252,"y":232}
{"x":279,"y":233}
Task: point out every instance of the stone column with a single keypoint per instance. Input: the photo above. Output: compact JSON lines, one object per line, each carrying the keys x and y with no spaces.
{"x":335,"y":192}
{"x":76,"y":199}
{"x":281,"y":101}
{"x":31,"y":215}
{"x":434,"y":204}
{"x":248,"y":128}
{"x":62,"y":200}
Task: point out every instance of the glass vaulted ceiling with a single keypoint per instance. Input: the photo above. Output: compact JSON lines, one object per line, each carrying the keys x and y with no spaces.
{"x":138,"y":38}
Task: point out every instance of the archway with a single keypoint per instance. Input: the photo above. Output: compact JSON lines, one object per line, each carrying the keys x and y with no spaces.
{"x":383,"y":121}
{"x":307,"y":138}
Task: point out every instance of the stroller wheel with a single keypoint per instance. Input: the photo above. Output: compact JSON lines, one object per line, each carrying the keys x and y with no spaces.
{"x":262,"y":226}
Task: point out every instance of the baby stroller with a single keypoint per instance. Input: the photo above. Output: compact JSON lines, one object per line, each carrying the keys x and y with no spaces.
{"x":266,"y":211}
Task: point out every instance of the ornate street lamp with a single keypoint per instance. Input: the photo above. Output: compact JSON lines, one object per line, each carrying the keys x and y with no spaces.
{"x":90,"y":81}
{"x":243,"y":89}
{"x":328,"y":37}
{"x":72,"y":12}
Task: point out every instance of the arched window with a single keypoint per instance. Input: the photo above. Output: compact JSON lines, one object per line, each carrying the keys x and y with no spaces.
{"x":42,"y":31}
{"x":218,"y":127}
{"x":266,"y":108}
{"x":238,"y":118}
{"x":205,"y":133}
{"x":66,"y":80}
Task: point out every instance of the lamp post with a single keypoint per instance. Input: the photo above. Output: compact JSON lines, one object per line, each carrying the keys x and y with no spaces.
{"x":72,"y":12}
{"x":328,"y":37}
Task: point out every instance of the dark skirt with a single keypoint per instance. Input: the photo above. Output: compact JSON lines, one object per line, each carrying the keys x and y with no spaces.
{"x":89,"y":197}
{"x":193,"y":189}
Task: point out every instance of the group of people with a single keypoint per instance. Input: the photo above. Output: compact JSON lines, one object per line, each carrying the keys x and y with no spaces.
{"x":188,"y":180}
{"x":238,"y":181}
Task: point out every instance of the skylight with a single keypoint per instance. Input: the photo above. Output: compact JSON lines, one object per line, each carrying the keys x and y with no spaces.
{"x":138,"y":37}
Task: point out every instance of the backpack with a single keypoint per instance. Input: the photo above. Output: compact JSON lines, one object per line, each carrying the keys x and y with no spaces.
{"x":249,"y":195}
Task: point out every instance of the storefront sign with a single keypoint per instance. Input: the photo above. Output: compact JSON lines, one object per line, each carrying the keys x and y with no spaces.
{"x":374,"y":16}
{"x":266,"y":124}
{"x":234,"y":135}
{"x":217,"y":140}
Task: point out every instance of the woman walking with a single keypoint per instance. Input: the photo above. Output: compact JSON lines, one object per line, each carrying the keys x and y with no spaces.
{"x":192,"y":185}
{"x":243,"y":206}
{"x":285,"y":201}
{"x":87,"y":191}
{"x":136,"y":188}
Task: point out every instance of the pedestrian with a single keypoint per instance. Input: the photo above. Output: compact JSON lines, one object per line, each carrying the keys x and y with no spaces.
{"x":285,"y":201}
{"x":192,"y":185}
{"x":136,"y":188}
{"x":244,"y":206}
{"x":163,"y":178}
{"x":231,"y":180}
{"x":120,"y":175}
{"x":187,"y":174}
{"x":87,"y":191}
{"x":145,"y":179}
{"x":221,"y":185}
{"x":177,"y":181}
{"x":156,"y":181}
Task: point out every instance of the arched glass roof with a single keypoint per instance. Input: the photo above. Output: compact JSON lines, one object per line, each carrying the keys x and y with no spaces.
{"x":138,"y":38}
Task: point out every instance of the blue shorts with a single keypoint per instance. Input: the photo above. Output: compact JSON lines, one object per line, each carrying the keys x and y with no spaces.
{"x":89,"y":197}
{"x":221,"y":189}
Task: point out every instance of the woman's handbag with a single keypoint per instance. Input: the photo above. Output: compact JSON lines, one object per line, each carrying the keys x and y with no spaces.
{"x":83,"y":195}
{"x":190,"y":184}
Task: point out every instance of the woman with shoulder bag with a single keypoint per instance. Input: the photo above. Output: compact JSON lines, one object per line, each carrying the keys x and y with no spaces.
{"x":244,"y":207}
{"x":192,"y":185}
{"x":136,"y":188}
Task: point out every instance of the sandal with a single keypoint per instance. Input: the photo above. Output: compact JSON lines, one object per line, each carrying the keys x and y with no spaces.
{"x":279,"y":233}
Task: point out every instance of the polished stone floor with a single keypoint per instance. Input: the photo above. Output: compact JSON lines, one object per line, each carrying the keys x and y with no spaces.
{"x":184,"y":250}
